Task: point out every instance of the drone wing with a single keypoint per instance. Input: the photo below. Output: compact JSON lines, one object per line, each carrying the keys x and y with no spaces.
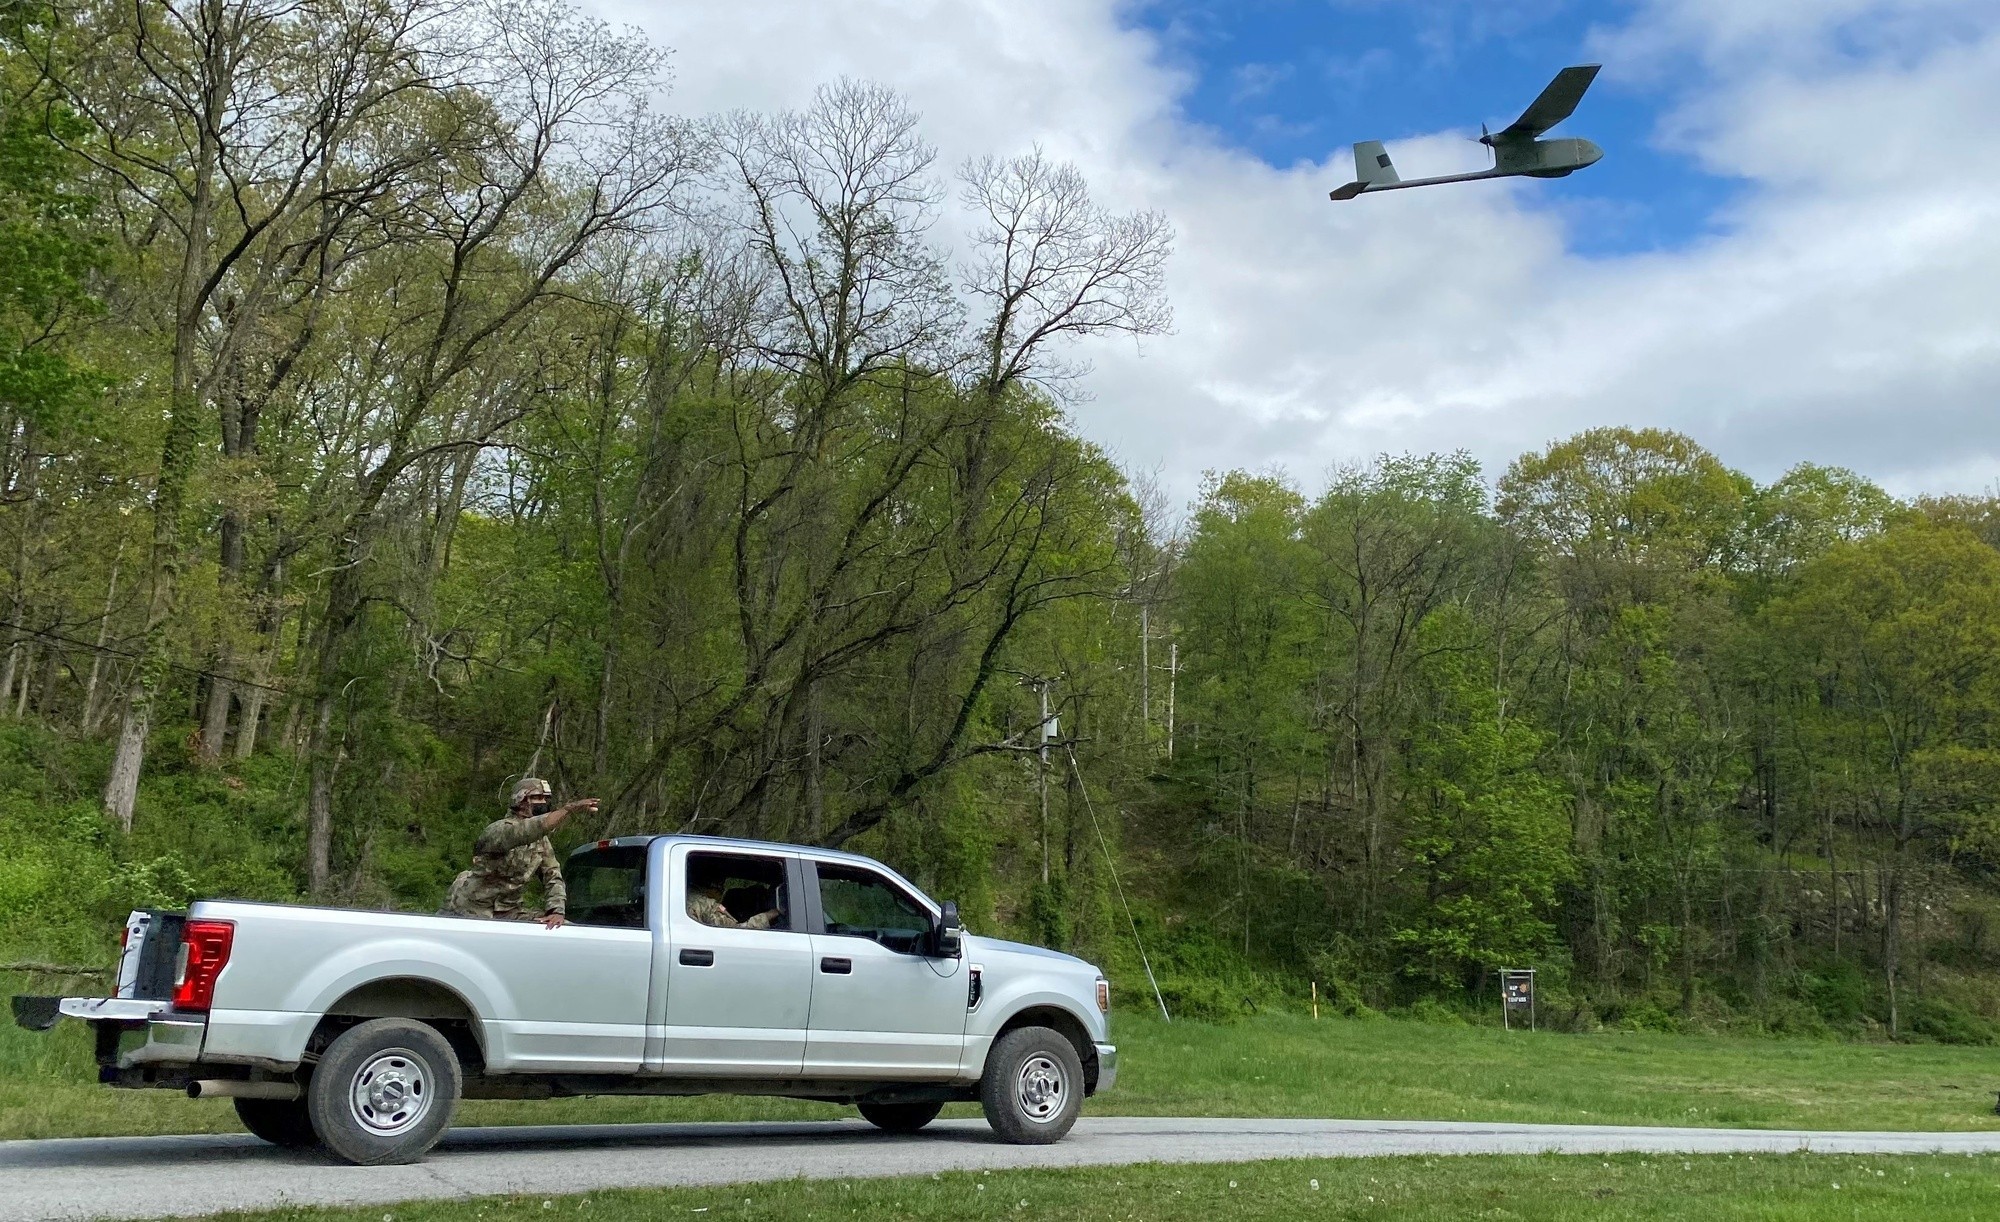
{"x":1558,"y":102}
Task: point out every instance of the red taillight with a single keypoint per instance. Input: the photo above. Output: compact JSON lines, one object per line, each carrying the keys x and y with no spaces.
{"x":204,"y":949}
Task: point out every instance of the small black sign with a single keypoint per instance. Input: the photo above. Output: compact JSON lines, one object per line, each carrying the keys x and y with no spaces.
{"x":1517,"y":995}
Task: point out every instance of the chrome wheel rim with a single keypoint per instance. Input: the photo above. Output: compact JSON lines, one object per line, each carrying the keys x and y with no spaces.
{"x":1044,"y":1088}
{"x":391,"y":1093}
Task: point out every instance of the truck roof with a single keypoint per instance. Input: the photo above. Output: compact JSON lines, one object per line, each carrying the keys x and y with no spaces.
{"x":735,"y":842}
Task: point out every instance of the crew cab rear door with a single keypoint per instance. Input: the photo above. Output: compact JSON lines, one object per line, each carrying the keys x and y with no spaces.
{"x":735,"y":997}
{"x":881,"y":1006}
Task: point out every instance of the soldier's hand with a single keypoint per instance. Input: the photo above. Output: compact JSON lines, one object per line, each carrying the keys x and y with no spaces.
{"x":587,"y":805}
{"x":555,"y":920}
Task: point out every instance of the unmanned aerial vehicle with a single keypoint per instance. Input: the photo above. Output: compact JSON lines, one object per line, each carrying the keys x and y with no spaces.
{"x":1518,"y":149}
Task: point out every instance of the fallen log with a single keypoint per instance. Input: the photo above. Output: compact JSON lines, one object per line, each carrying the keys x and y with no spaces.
{"x":55,"y":969}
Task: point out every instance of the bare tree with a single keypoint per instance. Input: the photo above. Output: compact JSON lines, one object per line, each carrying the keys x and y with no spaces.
{"x":568,"y":155}
{"x":1054,"y":265}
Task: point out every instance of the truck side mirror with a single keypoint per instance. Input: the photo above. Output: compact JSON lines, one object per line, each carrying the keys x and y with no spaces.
{"x":948,"y":939}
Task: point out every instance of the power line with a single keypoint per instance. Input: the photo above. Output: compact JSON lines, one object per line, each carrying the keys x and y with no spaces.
{"x":1118,"y":886}
{"x":94,"y":647}
{"x":202,"y":673}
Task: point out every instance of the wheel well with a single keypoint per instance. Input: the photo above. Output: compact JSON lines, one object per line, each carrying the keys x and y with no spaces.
{"x":1071,"y":1028}
{"x":405,"y":997}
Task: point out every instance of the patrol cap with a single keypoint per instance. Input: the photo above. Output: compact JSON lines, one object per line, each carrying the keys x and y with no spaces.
{"x":528,"y":787}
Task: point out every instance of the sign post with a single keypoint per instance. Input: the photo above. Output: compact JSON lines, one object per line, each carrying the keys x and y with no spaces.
{"x":1517,"y":995}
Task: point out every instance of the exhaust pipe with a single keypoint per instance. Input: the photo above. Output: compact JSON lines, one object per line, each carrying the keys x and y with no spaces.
{"x":236,"y":1088}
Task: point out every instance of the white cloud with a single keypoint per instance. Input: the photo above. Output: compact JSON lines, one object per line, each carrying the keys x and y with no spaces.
{"x":1845,"y":314}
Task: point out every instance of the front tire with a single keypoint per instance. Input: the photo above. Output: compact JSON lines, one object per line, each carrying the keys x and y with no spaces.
{"x":384,"y":1092}
{"x":900,"y":1117}
{"x":1032,"y":1089}
{"x":282,"y":1122}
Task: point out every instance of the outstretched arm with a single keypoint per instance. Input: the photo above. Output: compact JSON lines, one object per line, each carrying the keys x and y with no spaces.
{"x":506,"y":835}
{"x":555,"y":893}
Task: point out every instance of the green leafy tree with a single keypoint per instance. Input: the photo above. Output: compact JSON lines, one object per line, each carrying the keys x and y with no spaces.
{"x":1489,"y":837}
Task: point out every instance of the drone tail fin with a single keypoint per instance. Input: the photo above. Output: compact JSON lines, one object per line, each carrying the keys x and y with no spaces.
{"x":1372,"y":169}
{"x":1372,"y":165}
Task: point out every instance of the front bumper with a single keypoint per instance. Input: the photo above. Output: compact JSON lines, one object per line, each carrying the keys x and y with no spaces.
{"x":1107,"y":1067}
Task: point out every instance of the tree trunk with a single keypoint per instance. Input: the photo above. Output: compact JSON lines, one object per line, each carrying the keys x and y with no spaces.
{"x":1687,"y":948}
{"x":27,"y":679}
{"x":815,"y":777}
{"x":319,"y":798}
{"x":215,"y":716}
{"x":1892,"y":941}
{"x":177,"y":452}
{"x":26,"y":489}
{"x":125,"y":763}
{"x":600,"y":747}
{"x":45,"y":704}
{"x":90,"y":710}
{"x":13,"y":663}
{"x":255,"y":696}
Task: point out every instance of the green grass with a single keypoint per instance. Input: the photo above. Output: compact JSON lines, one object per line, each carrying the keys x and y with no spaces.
{"x":1555,"y":1187}
{"x":1289,"y":1066}
{"x":1276,"y":1065}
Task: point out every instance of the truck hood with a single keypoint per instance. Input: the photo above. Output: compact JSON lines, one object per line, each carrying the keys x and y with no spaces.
{"x":976,"y":946}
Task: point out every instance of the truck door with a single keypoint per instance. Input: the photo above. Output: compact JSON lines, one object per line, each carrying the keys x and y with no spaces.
{"x":737,"y":966}
{"x":881,"y":1006}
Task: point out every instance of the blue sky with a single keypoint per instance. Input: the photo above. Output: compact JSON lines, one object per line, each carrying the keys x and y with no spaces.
{"x":1788,"y":252}
{"x":1293,"y":80}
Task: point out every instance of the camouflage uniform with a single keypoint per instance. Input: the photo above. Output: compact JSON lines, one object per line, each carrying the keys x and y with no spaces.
{"x":507,"y":854}
{"x":709,"y":911}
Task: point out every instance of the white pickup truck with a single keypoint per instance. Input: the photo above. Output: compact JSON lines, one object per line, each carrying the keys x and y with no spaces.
{"x":838,"y":981}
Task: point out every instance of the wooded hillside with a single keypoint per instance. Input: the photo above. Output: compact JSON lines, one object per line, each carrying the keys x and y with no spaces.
{"x":396,"y":396}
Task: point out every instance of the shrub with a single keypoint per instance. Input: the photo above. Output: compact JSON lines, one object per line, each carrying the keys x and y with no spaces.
{"x":1950,"y":1024}
{"x":1206,"y":1000}
{"x":1839,"y":991}
{"x":1431,"y":1010}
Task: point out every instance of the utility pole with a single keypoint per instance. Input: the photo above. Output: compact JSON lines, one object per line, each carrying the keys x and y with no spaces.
{"x":1042,"y":774}
{"x":1045,"y":730}
{"x":1145,"y":678}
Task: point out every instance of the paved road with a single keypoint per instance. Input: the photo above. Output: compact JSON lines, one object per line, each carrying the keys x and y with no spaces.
{"x":145,"y":1177}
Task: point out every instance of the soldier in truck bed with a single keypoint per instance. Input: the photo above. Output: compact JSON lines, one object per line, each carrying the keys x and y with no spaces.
{"x":509,"y":853}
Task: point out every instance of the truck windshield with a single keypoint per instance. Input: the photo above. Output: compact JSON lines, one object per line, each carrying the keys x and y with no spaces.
{"x":607,"y":886}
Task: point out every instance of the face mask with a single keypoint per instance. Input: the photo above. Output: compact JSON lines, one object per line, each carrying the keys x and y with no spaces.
{"x":538,"y":806}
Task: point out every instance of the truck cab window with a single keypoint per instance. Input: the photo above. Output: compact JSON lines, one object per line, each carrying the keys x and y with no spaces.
{"x":861,"y":903}
{"x":607,"y":886}
{"x":737,"y":891}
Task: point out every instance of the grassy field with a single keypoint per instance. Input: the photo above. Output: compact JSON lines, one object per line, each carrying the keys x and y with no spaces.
{"x":1272,"y":1066}
{"x":1715,"y":1188}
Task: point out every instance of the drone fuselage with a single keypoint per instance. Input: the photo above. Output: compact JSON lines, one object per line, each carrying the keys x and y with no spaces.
{"x":1511,"y":159}
{"x":1544,"y":158}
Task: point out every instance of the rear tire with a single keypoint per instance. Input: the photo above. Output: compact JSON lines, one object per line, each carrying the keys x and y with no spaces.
{"x":383,"y":1092}
{"x":900,"y":1117}
{"x":282,"y":1122}
{"x":1032,"y":1089}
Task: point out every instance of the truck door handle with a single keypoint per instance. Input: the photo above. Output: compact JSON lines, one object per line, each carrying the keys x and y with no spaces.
{"x":698,"y":958}
{"x":836,"y":967}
